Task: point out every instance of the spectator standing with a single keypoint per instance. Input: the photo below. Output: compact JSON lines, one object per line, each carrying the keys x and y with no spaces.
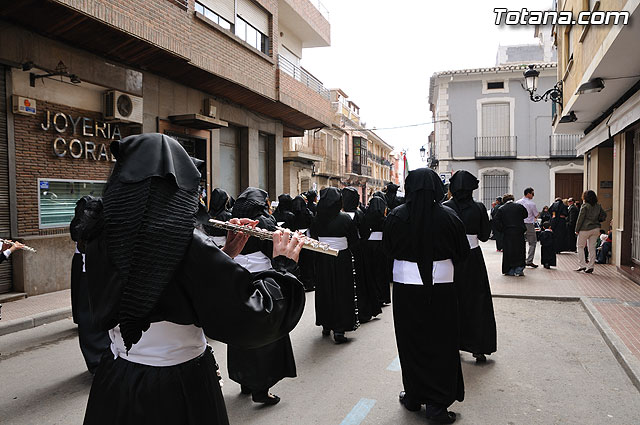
{"x":529,"y":222}
{"x":571,"y":225}
{"x":588,"y":229}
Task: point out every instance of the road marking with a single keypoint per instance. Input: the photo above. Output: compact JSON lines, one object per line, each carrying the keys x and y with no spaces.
{"x":359,"y":412}
{"x":395,"y":365}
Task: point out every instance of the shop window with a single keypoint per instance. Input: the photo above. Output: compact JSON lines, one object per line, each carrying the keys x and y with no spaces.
{"x":57,"y":199}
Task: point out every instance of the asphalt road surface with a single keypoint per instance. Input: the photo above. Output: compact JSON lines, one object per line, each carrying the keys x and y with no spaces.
{"x":552,"y":367}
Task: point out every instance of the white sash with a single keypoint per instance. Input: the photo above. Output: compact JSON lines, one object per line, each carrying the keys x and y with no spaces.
{"x":375,"y":236}
{"x":351,"y":214}
{"x":254,"y":262}
{"x":220,"y":241}
{"x":407,"y":272}
{"x":280,"y":223}
{"x":335,"y":242}
{"x":473,"y":241}
{"x":163,"y":344}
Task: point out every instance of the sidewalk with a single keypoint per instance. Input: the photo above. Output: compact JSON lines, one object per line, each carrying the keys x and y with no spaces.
{"x":35,"y":311}
{"x":611,"y":300}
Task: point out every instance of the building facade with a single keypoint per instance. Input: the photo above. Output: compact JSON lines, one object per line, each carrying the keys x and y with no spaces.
{"x":485,"y":123}
{"x":599,"y":66}
{"x":343,"y":154}
{"x":211,"y":73}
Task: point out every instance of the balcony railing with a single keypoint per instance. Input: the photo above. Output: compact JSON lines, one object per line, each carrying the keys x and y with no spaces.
{"x":329,"y":167}
{"x":303,"y":76}
{"x":496,"y":147}
{"x":563,"y":145}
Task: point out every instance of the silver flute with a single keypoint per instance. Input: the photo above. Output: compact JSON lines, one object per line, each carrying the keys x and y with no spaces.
{"x":263,"y":234}
{"x":27,"y":248}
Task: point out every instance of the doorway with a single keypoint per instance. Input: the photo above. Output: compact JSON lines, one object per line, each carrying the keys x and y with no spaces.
{"x":569,"y":185}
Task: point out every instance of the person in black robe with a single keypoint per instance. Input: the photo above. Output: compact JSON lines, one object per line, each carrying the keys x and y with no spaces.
{"x":258,"y":369}
{"x":559,"y":212}
{"x":283,"y":214}
{"x":509,"y":220}
{"x":93,"y":342}
{"x":312,"y":197}
{"x":301,"y":222}
{"x":545,"y":215}
{"x":477,"y":320}
{"x":159,"y":285}
{"x":336,"y":305}
{"x":548,"y":254}
{"x":427,"y":241}
{"x":218,"y":210}
{"x":391,"y":196}
{"x":497,"y":234}
{"x":377,"y":264}
{"x":572,"y":219}
{"x":368,"y":304}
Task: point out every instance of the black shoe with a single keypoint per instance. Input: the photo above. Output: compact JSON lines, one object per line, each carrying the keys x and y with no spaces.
{"x":245,"y":390}
{"x":532,"y":265}
{"x":411,"y":406}
{"x":266,"y":398}
{"x":480,"y":358}
{"x":339,"y":338}
{"x":326,"y":332}
{"x":546,"y":266}
{"x":581,"y":269}
{"x":589,"y":271}
{"x":444,"y":417}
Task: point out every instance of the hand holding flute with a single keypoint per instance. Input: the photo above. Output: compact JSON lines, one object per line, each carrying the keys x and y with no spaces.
{"x":14,"y":246}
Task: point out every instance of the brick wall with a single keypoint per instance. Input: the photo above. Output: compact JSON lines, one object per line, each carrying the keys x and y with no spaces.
{"x":35,"y":159}
{"x":295,"y":94}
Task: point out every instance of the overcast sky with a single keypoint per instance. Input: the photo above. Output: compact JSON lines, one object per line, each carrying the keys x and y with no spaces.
{"x":383,"y":53}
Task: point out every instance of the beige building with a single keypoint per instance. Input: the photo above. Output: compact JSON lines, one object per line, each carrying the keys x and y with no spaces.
{"x":343,"y":154}
{"x":599,"y":67}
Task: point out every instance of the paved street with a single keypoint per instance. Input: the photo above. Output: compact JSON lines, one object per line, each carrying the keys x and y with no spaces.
{"x":552,"y":367}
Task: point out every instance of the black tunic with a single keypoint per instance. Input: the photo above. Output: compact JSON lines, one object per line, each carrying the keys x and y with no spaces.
{"x":510,"y":221}
{"x":426,"y":317}
{"x":261,"y":368}
{"x":497,"y":234}
{"x":209,"y":290}
{"x":336,"y":307}
{"x":572,"y":219}
{"x":477,"y":320}
{"x":377,"y":266}
{"x":559,"y":226}
{"x":548,"y":255}
{"x":301,"y":221}
{"x":367,"y":292}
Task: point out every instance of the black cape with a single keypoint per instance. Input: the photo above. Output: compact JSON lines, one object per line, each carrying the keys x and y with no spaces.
{"x":572,"y":219}
{"x":477,"y":319}
{"x":377,"y":266}
{"x":497,"y":234}
{"x":559,"y":226}
{"x":510,"y":221}
{"x":548,"y":252}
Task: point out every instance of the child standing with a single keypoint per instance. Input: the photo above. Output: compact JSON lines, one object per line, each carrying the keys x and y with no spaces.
{"x":546,"y":241}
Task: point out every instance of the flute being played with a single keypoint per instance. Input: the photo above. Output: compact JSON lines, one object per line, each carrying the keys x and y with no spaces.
{"x":309,"y":243}
{"x":25,"y":247}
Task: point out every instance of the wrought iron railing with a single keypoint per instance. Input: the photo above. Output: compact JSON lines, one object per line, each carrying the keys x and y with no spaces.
{"x":495,"y":147}
{"x":303,"y":76}
{"x":563,"y":145}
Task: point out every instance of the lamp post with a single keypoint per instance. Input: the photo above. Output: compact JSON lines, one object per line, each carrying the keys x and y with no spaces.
{"x":423,"y":152}
{"x":554,"y":94}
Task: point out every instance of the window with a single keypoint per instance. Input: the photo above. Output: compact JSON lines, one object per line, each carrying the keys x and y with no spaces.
{"x":494,"y":85}
{"x":252,"y":36}
{"x":208,"y":13}
{"x":495,"y":119}
{"x":493,"y":185}
{"x":57,"y":199}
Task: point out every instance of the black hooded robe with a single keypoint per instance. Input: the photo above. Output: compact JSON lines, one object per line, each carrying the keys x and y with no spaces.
{"x":336,"y":306}
{"x":301,"y":221}
{"x":194,"y":285}
{"x":497,"y":234}
{"x":283,"y":214}
{"x":548,"y":251}
{"x":559,"y":226}
{"x":376,"y":263}
{"x":259,"y":368}
{"x":218,"y":209}
{"x":368,"y":303}
{"x":572,"y":219}
{"x":477,"y":319}
{"x":426,"y":315}
{"x":510,"y":221}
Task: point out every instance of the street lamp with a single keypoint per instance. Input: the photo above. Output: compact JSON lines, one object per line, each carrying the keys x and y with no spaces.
{"x":531,"y":85}
{"x":423,"y":152}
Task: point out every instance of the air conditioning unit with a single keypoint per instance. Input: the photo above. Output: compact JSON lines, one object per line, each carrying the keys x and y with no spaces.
{"x":122,"y":107}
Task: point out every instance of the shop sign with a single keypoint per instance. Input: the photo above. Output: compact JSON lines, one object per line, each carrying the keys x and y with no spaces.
{"x":71,"y":129}
{"x":23,"y":105}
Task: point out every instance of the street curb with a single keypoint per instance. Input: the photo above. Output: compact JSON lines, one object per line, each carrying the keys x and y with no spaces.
{"x":538,"y":297}
{"x":16,"y":325}
{"x":627,"y":360}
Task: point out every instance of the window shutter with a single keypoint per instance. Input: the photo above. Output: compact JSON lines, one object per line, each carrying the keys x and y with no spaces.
{"x":224,"y":8}
{"x":495,"y":119}
{"x":255,"y":15}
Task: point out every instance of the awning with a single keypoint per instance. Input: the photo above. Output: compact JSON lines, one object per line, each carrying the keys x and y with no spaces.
{"x":198,"y":121}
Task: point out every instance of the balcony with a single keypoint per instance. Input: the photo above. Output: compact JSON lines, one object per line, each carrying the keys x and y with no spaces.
{"x":300,"y":74}
{"x":563,"y":145}
{"x":307,"y":20}
{"x":495,"y":147}
{"x":363,"y":170}
{"x":329,"y":167}
{"x":342,"y":108}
